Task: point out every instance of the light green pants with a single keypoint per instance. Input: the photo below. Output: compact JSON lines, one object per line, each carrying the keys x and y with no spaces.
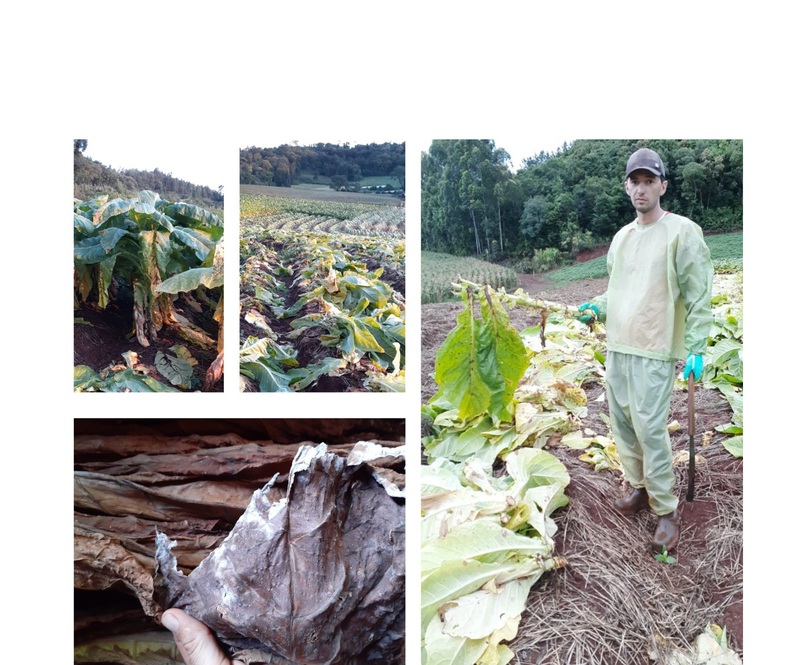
{"x":639,"y":391}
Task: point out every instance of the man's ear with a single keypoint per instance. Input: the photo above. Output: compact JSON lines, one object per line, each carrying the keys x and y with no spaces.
{"x":663,"y":187}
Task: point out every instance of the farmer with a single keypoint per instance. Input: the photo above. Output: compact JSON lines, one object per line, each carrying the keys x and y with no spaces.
{"x":657,"y":308}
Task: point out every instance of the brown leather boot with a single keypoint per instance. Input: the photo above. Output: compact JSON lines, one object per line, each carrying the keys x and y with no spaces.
{"x":668,"y":531}
{"x":633,"y":503}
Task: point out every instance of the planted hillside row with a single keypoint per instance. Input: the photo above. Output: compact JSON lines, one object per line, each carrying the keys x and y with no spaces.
{"x":148,"y":293}
{"x":439,"y":271}
{"x":320,"y":311}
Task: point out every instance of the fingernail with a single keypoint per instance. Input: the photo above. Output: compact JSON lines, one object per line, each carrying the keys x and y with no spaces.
{"x":170,"y":622}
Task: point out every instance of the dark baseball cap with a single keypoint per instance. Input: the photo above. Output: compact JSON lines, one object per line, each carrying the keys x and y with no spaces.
{"x":646,"y":159}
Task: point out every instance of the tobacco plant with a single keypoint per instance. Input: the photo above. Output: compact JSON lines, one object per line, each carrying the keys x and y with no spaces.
{"x":154,"y":248}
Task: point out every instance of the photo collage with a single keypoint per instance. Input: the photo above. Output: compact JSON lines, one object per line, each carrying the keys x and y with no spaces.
{"x":554,"y":326}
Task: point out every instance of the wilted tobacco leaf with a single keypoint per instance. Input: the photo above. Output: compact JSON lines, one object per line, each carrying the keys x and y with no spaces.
{"x":101,"y":561}
{"x":315,"y":577}
{"x":196,"y":538}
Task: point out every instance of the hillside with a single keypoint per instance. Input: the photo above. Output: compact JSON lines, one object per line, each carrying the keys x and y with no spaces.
{"x":92,"y":178}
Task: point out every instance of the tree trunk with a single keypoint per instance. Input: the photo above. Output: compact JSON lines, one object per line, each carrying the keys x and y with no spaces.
{"x":475,"y":228}
{"x":500,"y":227}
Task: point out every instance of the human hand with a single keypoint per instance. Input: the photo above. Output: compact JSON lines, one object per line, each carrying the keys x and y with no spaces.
{"x":589,"y":317}
{"x":694,"y":365}
{"x":194,"y":640}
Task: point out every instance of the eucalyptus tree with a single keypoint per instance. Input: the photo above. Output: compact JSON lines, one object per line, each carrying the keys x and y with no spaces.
{"x":462,"y":190}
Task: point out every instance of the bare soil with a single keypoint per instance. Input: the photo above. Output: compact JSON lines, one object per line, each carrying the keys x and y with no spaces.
{"x":614,"y":603}
{"x":107,"y":334}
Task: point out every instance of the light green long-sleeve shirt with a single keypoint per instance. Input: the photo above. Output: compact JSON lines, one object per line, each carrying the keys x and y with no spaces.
{"x":658,"y":302}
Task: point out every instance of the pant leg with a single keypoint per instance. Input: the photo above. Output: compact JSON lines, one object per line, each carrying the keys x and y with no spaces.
{"x":640,"y":390}
{"x":618,"y":390}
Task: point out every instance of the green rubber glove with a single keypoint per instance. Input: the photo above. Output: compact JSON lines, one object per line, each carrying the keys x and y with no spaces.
{"x":694,"y":365}
{"x":591,"y":316}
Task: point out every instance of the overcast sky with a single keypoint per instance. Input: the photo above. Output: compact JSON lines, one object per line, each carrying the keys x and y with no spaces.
{"x":204,"y":162}
{"x":197,"y":161}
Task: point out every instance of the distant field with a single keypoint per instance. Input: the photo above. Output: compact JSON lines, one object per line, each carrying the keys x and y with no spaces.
{"x":725,"y":248}
{"x":309,"y":214}
{"x":440,"y":270}
{"x":319,"y":195}
{"x":372,"y":180}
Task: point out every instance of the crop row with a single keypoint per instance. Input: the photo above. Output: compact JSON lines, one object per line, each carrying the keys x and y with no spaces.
{"x":321,"y":309}
{"x":440,"y":271}
{"x":376,"y":223}
{"x":258,"y":206}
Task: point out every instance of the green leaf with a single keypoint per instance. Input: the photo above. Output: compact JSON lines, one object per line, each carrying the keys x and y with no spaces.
{"x":193,"y":212}
{"x":112,"y":209}
{"x":479,"y":365}
{"x":735,"y":446}
{"x":110,"y":237}
{"x":312,"y":373}
{"x":176,"y":370}
{"x":270,"y":378}
{"x":87,"y":380}
{"x":84,"y":378}
{"x":195,"y":240}
{"x":188,"y":280}
{"x":508,"y":348}
{"x":461,"y":445}
{"x":82,"y":224}
{"x":253,"y":348}
{"x":89,"y":250}
{"x":359,"y":336}
{"x":462,"y":380}
{"x":483,"y":540}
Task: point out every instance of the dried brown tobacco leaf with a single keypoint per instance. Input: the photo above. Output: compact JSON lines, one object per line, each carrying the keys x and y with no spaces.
{"x":202,"y":431}
{"x":95,"y":492}
{"x":316,"y":577}
{"x":196,"y":538}
{"x":245,"y":461}
{"x":101,"y":561}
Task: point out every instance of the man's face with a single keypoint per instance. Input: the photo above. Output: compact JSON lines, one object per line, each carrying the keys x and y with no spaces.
{"x":645,"y":189}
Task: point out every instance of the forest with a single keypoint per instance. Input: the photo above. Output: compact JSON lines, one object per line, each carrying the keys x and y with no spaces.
{"x":568,"y":201}
{"x":93,"y":178}
{"x":288,"y":165}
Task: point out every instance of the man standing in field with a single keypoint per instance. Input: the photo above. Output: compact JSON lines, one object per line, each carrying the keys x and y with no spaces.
{"x":657,"y":308}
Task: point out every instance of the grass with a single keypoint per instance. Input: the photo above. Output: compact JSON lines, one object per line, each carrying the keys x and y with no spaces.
{"x":593,"y":269}
{"x":373,"y":180}
{"x":726,"y":250}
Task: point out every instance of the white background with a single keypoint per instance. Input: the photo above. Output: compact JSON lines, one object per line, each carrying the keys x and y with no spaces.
{"x":226,"y":77}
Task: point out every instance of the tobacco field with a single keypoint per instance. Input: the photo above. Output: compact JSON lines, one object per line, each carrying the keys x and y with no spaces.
{"x":523,"y":559}
{"x":322,"y":299}
{"x":148,"y":296}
